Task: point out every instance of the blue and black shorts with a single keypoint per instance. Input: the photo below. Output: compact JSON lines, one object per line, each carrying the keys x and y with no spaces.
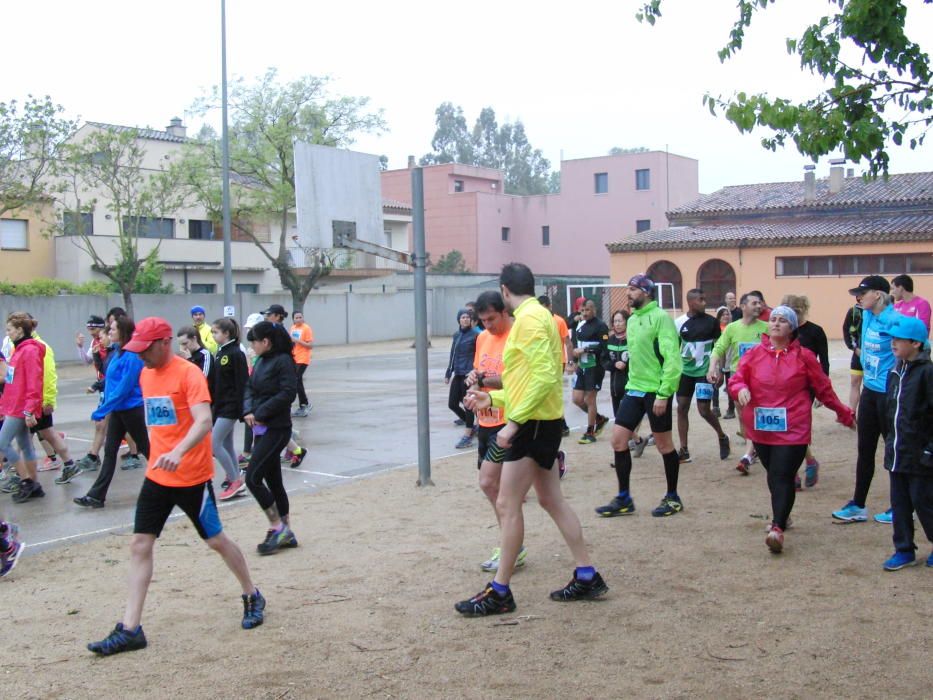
{"x":156,"y":502}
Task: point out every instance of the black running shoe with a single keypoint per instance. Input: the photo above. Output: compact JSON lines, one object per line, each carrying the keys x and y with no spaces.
{"x":601,"y":421}
{"x":683,"y":456}
{"x":119,"y":640}
{"x":617,"y":506}
{"x":581,"y":590}
{"x":28,"y":489}
{"x":487,"y":602}
{"x":254,"y":607}
{"x":724,"y":449}
{"x":89,"y":502}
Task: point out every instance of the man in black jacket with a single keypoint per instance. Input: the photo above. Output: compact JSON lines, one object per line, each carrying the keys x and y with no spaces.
{"x":590,"y":337}
{"x":908,"y":446}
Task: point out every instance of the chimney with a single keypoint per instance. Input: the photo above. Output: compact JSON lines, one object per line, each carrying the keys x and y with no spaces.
{"x":809,"y":183}
{"x":835,"y":175}
{"x":850,"y":172}
{"x":176,"y":128}
{"x":411,"y":162}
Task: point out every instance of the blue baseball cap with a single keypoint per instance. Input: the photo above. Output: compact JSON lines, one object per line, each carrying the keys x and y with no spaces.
{"x":198,"y":310}
{"x":909,"y":328}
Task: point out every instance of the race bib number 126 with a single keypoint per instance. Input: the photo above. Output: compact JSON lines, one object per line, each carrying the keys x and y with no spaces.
{"x":160,"y":411}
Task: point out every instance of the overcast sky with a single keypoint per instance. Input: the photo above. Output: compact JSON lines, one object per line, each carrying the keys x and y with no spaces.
{"x":583,"y":77}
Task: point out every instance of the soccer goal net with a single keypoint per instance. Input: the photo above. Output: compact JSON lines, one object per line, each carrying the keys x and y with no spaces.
{"x":610,"y":298}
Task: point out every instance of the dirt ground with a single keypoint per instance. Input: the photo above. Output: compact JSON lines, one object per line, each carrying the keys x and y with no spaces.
{"x":698,"y":607}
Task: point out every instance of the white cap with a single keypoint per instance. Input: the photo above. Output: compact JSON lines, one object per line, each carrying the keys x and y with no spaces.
{"x":252,"y":320}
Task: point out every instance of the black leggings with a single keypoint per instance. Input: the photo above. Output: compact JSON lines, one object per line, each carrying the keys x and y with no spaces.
{"x":302,"y":396}
{"x":265,"y":466}
{"x":616,"y":400}
{"x":781,"y":462}
{"x":871,"y":426}
{"x":455,"y":398}
{"x":132,"y":421}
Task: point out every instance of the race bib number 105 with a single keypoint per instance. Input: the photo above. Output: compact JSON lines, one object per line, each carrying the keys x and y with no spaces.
{"x":772,"y":420}
{"x":160,"y":411}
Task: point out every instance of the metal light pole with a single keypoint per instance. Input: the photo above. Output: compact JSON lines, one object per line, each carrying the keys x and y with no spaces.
{"x":229,"y":309}
{"x":421,"y":328}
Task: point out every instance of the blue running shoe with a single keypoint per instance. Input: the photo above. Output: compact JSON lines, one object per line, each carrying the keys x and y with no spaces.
{"x":885,"y":518}
{"x":930,"y":560}
{"x":851,"y":513}
{"x":119,"y":640}
{"x":254,"y":606}
{"x":899,"y":560}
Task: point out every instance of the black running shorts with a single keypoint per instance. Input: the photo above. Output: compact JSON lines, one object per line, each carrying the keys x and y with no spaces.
{"x":855,"y":365}
{"x":486,"y":438}
{"x":538,"y":439}
{"x":156,"y":502}
{"x":42,"y":423}
{"x":633,"y":408}
{"x":590,"y":379}
{"x":687,"y":386}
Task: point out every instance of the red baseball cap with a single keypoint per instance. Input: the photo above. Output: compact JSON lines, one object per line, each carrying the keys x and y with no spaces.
{"x":578,"y":303}
{"x":147,"y":332}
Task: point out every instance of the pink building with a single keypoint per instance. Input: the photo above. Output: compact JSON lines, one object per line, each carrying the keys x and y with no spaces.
{"x":601,"y":200}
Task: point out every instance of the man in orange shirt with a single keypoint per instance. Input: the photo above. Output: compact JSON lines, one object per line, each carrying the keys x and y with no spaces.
{"x":303,"y":338}
{"x":179,"y":472}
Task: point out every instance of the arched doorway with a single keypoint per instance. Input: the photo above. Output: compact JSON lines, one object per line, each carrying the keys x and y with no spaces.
{"x":666,"y":271}
{"x":716,"y":277}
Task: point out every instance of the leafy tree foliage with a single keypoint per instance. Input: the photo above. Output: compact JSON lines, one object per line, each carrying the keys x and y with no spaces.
{"x":267,"y":116}
{"x":110,"y":164}
{"x":450,"y":263}
{"x":886,"y":96}
{"x":490,"y":145}
{"x":32,"y":136}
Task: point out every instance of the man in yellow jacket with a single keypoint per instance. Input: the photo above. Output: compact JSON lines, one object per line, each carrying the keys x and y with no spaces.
{"x":198,"y":314}
{"x":527,"y":446}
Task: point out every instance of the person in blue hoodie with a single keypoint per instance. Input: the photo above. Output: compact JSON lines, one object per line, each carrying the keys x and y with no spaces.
{"x":123,"y":402}
{"x":878,"y":315}
{"x":460,"y":364}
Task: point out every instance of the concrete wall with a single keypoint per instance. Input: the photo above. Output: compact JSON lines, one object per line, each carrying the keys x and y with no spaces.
{"x":337,"y":317}
{"x":755,"y":269}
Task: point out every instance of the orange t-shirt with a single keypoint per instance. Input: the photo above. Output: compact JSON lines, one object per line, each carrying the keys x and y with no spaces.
{"x":301,"y":355}
{"x":562,"y":332}
{"x":488,"y":358}
{"x":168,"y":392}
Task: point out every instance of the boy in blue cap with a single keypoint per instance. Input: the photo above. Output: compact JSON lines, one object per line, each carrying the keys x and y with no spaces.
{"x":204,"y":329}
{"x":908,"y":447}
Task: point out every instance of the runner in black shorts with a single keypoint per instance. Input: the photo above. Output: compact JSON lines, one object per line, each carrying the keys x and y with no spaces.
{"x":179,"y":472}
{"x":654,"y":373}
{"x":590,"y":337}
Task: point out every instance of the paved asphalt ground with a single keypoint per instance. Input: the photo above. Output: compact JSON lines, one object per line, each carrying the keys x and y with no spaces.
{"x":364,"y":421}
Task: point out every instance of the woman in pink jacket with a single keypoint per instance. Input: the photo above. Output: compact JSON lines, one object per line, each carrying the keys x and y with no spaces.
{"x":21,"y":404}
{"x":775,"y":384}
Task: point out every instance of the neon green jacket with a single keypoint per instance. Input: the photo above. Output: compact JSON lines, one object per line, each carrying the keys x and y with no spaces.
{"x":740,"y":338}
{"x":532,"y":380}
{"x":654,"y":352}
{"x":204,"y":330}
{"x":49,"y":376}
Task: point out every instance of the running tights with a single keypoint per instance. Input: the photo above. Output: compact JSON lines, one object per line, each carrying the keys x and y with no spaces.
{"x":222,"y":445}
{"x":871,"y":426}
{"x":781,"y":462}
{"x":264,"y":473}
{"x":302,"y":396}
{"x":15,"y":429}
{"x":455,"y":398}
{"x":132,"y":421}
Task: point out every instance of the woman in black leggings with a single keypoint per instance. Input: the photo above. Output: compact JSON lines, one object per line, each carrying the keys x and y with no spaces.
{"x":123,"y":402}
{"x":267,"y":412}
{"x":773,"y":385}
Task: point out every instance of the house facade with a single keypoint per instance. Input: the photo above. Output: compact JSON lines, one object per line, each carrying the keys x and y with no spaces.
{"x":600,"y":200}
{"x":27,"y":250}
{"x":812,"y":237}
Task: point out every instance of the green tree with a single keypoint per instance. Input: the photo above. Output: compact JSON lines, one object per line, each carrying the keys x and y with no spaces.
{"x":452,"y":264}
{"x":32,"y":136}
{"x":266,"y":117}
{"x":489,"y":145}
{"x":107,"y":168}
{"x":886,"y":96}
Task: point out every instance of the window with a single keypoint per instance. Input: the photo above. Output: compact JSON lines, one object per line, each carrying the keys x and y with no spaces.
{"x":857,"y":265}
{"x":458,"y":185}
{"x":505,"y":233}
{"x":545,"y":235}
{"x":667,"y":272}
{"x":716,"y":277}
{"x":643,"y":179}
{"x":642,"y":225}
{"x":14,"y":234}
{"x":77,"y":224}
{"x":203,"y":288}
{"x":200,"y":230}
{"x":145,"y":227}
{"x":601,"y":183}
{"x":247,"y":289}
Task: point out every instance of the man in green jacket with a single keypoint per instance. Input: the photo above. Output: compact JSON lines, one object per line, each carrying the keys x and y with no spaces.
{"x":654,"y":374}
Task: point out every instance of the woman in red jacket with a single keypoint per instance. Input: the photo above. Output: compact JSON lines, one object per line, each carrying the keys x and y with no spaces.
{"x":21,"y":404}
{"x":772,"y":385}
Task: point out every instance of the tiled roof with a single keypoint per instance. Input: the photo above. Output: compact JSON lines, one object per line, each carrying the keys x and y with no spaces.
{"x":152,"y":134}
{"x":907,"y":188}
{"x":395,"y":204}
{"x":786,"y":231}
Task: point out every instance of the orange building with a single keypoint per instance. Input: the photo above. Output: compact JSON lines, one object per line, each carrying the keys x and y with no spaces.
{"x":813,"y":237}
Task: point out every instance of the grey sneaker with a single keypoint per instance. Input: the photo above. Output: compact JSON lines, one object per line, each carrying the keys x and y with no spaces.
{"x":131,"y":462}
{"x":11,"y":484}
{"x":69,"y":472}
{"x":637,"y":448}
{"x":302,"y":412}
{"x":88,"y":463}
